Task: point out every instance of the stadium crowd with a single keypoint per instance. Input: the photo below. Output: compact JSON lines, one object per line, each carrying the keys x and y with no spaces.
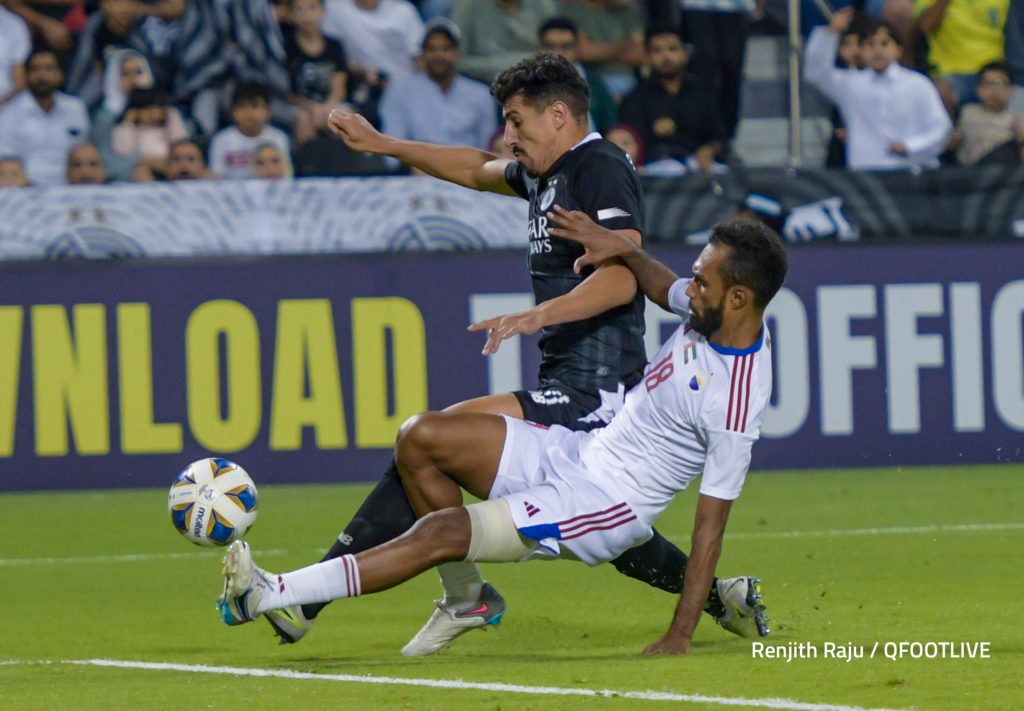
{"x":95,"y":91}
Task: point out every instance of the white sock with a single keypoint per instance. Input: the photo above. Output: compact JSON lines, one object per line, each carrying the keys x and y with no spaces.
{"x":321,"y":582}
{"x":461,"y":580}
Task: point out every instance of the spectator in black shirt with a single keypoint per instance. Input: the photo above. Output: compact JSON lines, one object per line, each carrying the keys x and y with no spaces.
{"x":677,"y":118}
{"x":316,"y":66}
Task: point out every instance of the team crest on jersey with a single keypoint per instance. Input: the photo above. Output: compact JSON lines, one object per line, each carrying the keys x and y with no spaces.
{"x":698,"y":382}
{"x":546,"y":198}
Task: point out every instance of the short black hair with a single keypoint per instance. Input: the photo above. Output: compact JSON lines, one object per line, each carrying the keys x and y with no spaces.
{"x":860,"y":24}
{"x":542,"y":80}
{"x":756,"y":259}
{"x":38,"y":50}
{"x":249,"y":92}
{"x":1001,"y":67}
{"x":875,"y":26}
{"x":662,"y":28}
{"x":558,"y":22}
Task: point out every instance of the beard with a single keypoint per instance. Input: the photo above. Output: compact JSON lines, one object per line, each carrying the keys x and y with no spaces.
{"x":710,"y":321}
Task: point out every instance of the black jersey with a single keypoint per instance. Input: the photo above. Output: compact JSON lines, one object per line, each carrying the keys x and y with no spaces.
{"x":596,"y":177}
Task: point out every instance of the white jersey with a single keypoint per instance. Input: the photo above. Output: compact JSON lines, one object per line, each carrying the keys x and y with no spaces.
{"x":698,"y":410}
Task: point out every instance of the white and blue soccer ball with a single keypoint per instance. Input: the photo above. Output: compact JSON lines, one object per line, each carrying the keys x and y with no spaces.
{"x":213,"y":502}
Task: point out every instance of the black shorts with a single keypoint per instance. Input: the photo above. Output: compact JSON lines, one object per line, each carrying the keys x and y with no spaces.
{"x":555,"y":403}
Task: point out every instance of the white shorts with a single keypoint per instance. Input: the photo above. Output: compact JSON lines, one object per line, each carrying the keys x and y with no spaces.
{"x":555,"y":501}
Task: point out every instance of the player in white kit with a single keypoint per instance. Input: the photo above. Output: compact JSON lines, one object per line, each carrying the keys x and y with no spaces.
{"x":582,"y":495}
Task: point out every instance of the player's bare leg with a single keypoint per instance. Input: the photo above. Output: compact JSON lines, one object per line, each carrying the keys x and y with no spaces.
{"x":384,"y":514}
{"x":250,"y":591}
{"x":437,"y":453}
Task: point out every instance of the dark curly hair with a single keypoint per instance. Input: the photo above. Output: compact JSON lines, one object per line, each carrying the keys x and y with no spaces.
{"x":756,"y":260}
{"x":542,"y":80}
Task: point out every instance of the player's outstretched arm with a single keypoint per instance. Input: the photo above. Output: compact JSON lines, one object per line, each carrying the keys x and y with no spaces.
{"x":612,"y":284}
{"x":470,"y":167}
{"x":602,"y":245}
{"x":708,"y":531}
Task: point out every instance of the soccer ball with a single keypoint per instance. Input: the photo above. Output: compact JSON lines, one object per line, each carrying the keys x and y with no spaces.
{"x":212,"y":502}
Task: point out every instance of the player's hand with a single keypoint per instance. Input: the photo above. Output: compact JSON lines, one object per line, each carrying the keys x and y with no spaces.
{"x":841,"y":19}
{"x":501,"y":327}
{"x":356,"y":131}
{"x":668,"y":645}
{"x":600,"y":244}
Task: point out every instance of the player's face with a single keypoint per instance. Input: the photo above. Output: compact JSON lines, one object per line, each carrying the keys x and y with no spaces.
{"x":530,"y":133}
{"x":880,"y":50}
{"x":707,"y":291}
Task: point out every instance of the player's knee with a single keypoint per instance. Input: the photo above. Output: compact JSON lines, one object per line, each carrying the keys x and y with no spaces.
{"x":417,"y":436}
{"x":443,"y":535}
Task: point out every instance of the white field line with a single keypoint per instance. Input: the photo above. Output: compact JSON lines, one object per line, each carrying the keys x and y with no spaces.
{"x":885,"y":530}
{"x":131,"y":557}
{"x":828,"y":533}
{"x":766,"y":703}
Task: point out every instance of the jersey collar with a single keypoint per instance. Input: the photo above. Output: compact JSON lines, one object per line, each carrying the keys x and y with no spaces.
{"x":592,"y":136}
{"x":739,"y":351}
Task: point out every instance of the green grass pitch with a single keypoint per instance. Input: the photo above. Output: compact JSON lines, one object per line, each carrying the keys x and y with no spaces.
{"x":847,"y":557}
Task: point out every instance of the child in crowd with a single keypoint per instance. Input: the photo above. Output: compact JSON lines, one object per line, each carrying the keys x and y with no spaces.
{"x":894,"y":117}
{"x":148,"y":128}
{"x":268,"y":163}
{"x":628,"y":140}
{"x":125,"y":70}
{"x":849,"y":57}
{"x":989,"y":131}
{"x":317,"y":69}
{"x":12,"y":174}
{"x":231,"y":148}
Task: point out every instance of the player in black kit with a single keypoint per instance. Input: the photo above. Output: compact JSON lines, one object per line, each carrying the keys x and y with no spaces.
{"x":591,"y":328}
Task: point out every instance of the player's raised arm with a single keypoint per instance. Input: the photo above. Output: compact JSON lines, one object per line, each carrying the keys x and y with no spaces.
{"x":609,"y":286}
{"x":603,"y":245}
{"x":470,"y":167}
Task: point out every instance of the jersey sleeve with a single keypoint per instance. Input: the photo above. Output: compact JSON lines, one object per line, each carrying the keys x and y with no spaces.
{"x":516,"y":179}
{"x":608,"y":190}
{"x":725,"y":468}
{"x":678,"y":301}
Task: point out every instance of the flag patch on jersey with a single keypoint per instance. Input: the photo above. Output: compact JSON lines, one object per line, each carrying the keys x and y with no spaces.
{"x":610,"y":212}
{"x":689,"y":352}
{"x":531,"y":510}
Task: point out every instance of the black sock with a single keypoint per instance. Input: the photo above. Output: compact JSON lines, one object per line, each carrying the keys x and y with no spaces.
{"x":385,"y":514}
{"x":661,"y":564}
